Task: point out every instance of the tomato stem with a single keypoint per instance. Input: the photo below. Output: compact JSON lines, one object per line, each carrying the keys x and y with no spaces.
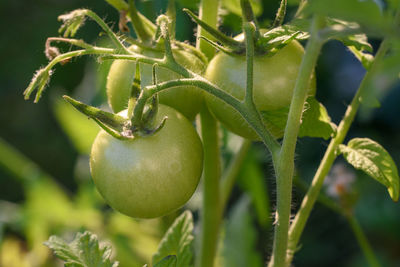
{"x":280,"y":15}
{"x":137,"y":23}
{"x":310,"y":198}
{"x":284,"y":166}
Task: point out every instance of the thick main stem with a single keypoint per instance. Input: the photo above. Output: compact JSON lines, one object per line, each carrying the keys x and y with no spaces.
{"x":208,"y":14}
{"x":328,"y":159}
{"x":284,"y":167}
{"x":211,"y":214}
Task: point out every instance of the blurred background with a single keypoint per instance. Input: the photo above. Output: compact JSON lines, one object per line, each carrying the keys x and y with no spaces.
{"x":45,"y":185}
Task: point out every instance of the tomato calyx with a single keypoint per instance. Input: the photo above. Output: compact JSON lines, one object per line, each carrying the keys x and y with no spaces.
{"x":119,"y":125}
{"x":266,"y":41}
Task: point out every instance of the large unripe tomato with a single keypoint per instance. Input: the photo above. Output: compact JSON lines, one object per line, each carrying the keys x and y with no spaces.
{"x":273,"y":83}
{"x":151,"y":176}
{"x":187,"y":100}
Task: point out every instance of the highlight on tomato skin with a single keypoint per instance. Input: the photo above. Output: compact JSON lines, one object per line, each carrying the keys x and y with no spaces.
{"x":150,"y":176}
{"x":187,"y":100}
{"x":273,"y":84}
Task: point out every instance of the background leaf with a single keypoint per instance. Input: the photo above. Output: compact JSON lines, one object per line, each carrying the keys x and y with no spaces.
{"x":169,"y":261}
{"x":367,"y":12}
{"x":177,"y":241}
{"x":234,"y":6}
{"x":83,"y":251}
{"x":252,"y":180}
{"x":367,"y":155}
{"x":79,"y":128}
{"x":315,"y":122}
{"x":241,"y":238}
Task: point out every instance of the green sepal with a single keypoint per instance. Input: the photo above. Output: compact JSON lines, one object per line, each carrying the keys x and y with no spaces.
{"x":276,"y":38}
{"x":220,"y":37}
{"x":112,"y":121}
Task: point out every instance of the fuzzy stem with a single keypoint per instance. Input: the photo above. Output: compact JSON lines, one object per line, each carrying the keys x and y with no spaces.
{"x":208,"y":14}
{"x":211,"y":215}
{"x":137,"y":23}
{"x":280,"y":15}
{"x":285,"y":165}
{"x":310,"y":198}
{"x":108,"y":31}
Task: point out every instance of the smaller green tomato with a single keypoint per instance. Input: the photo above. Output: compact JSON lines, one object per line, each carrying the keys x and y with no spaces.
{"x":274,"y":78}
{"x":187,"y":100}
{"x":151,"y":176}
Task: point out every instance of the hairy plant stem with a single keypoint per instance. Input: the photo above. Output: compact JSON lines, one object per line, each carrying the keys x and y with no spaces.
{"x":209,"y":14}
{"x":310,"y":198}
{"x":211,"y":214}
{"x":284,"y":166}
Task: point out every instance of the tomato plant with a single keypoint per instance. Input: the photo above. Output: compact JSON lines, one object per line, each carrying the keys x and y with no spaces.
{"x":151,"y":176}
{"x":274,"y":80}
{"x":187,"y":100}
{"x":148,"y":159}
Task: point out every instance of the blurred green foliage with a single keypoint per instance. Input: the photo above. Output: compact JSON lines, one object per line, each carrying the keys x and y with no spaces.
{"x":45,"y":187}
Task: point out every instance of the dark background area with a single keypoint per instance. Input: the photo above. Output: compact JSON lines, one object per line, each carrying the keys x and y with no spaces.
{"x":33,"y":130}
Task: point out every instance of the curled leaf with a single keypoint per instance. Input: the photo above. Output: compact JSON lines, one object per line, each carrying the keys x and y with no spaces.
{"x":39,"y":82}
{"x":72,"y":21}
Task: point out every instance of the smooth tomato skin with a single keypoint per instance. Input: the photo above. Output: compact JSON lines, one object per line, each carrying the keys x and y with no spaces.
{"x":149,"y":176}
{"x":273,"y":83}
{"x":187,"y":100}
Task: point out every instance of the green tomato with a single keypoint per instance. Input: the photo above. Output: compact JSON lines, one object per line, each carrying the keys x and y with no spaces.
{"x":151,"y":176}
{"x":187,"y":100}
{"x":274,"y":79}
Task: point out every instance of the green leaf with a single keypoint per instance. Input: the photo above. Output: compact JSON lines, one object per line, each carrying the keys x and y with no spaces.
{"x":240,"y":238}
{"x":234,"y":6}
{"x":79,"y":129}
{"x":169,"y":261}
{"x":83,"y":251}
{"x":252,"y":180}
{"x":315,"y":122}
{"x":177,"y":241}
{"x":367,"y":12}
{"x":385,"y":76}
{"x":367,"y":155}
{"x":278,"y":37}
{"x":357,"y":43}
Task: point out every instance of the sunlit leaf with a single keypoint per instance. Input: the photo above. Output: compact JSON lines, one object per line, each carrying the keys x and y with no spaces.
{"x":369,"y":156}
{"x":83,"y":251}
{"x":177,"y":241}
